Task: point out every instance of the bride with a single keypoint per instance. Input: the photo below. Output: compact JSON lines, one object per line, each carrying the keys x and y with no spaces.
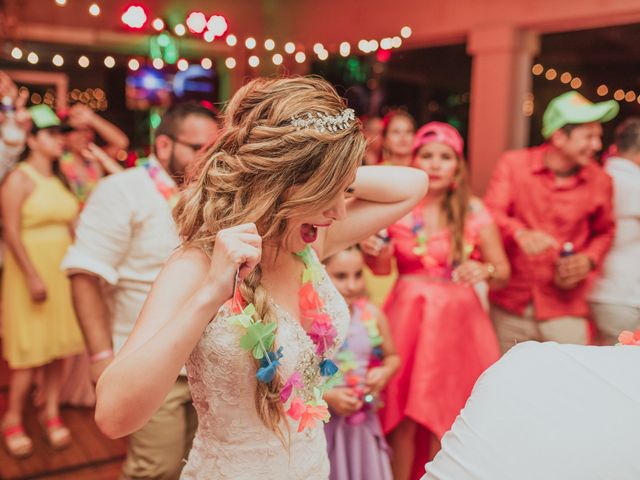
{"x":245,"y":302}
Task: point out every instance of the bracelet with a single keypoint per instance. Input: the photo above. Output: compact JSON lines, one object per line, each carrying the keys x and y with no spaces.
{"x":103,"y":355}
{"x":491,"y":270}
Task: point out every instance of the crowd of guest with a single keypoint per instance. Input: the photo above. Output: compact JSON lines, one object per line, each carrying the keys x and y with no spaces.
{"x":549,"y":253}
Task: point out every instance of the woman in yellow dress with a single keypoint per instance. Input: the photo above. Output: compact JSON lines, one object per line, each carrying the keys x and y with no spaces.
{"x":39,"y":327}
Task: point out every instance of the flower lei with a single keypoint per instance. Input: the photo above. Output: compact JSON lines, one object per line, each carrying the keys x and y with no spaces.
{"x":421,"y":248}
{"x":82,"y":180}
{"x":258,"y":338}
{"x":161,"y":180}
{"x":348,"y":364}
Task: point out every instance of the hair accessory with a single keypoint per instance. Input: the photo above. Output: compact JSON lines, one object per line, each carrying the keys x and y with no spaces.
{"x":322,"y":122}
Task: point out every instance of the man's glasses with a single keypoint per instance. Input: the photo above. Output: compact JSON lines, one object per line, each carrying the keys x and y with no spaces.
{"x":193,"y":146}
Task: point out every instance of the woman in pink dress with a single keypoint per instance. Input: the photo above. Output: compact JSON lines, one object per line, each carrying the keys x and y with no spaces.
{"x":444,"y":248}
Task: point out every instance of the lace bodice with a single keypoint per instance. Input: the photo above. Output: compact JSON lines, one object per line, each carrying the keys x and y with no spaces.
{"x":231,"y":441}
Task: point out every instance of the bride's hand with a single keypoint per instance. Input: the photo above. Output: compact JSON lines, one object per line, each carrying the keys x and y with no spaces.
{"x":235,"y":247}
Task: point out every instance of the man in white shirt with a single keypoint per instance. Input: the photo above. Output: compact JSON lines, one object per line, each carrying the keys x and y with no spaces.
{"x":124,"y":236}
{"x":615,"y":299}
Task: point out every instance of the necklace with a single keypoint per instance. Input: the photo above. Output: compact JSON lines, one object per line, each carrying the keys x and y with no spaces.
{"x":81,"y":175}
{"x":421,"y":247}
{"x":302,"y":400}
{"x":350,"y":369}
{"x":161,"y":180}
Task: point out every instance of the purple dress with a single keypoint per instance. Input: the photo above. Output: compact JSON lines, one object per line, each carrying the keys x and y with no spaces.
{"x":356,"y":446}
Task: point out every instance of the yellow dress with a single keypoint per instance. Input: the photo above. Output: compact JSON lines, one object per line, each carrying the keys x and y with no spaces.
{"x":34,"y":334}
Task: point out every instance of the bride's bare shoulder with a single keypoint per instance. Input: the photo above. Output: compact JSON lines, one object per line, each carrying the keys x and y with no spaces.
{"x":188,"y":260}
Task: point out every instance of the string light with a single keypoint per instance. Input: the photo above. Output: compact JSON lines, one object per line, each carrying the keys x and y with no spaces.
{"x":232,"y":40}
{"x":386,"y":43}
{"x":16,"y":53}
{"x":537,"y":69}
{"x":345,"y":49}
{"x":158,"y":24}
{"x":83,"y":61}
{"x":158,"y":63}
{"x":94,"y":9}
{"x":109,"y":61}
{"x":373,"y":45}
{"x":269,"y":44}
{"x":602,"y":90}
{"x":209,"y":36}
{"x":289,"y":47}
{"x":317,"y":48}
{"x":250,"y":43}
{"x":133,"y":64}
{"x":61,"y":3}
{"x":619,"y":94}
{"x":576,"y":83}
{"x":565,"y":77}
{"x":180,"y":29}
{"x":405,"y":32}
{"x":217,"y":24}
{"x":300,"y":57}
{"x":630,"y":96}
{"x":323,"y":55}
{"x":230,"y":63}
{"x":363,"y":45}
{"x":182,"y":65}
{"x":254,"y":61}
{"x":134,"y":17}
{"x":396,"y":42}
{"x":57,"y":60}
{"x":206,"y":63}
{"x":33,"y":58}
{"x":197,"y":22}
{"x":551,"y":74}
{"x":277,"y":59}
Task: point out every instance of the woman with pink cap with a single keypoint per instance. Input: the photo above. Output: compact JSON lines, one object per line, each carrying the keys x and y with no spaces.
{"x":448,"y":244}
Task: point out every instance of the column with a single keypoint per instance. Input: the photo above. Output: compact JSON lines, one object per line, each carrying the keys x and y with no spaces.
{"x":500,"y":79}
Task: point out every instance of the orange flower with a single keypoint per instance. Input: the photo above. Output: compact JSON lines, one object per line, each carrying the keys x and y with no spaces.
{"x":311,"y":415}
{"x":309,"y":299}
{"x":629,"y":338}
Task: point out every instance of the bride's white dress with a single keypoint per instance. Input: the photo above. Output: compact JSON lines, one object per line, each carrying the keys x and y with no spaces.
{"x":231,"y":441}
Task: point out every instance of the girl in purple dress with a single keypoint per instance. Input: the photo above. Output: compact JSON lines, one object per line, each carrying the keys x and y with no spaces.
{"x":367,"y":360}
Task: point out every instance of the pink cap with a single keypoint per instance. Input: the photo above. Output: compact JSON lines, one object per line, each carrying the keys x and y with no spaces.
{"x":440,"y":133}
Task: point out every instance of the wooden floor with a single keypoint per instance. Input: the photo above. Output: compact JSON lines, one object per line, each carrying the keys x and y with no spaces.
{"x":92,"y":456}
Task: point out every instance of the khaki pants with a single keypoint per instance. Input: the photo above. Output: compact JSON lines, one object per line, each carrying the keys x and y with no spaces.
{"x":612,"y":319}
{"x":512,"y":328}
{"x":157,"y":451}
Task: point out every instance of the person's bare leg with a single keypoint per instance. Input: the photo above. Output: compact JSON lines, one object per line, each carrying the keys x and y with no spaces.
{"x":18,"y":444}
{"x":57,"y":433}
{"x":402,"y":442}
{"x":19,"y":387}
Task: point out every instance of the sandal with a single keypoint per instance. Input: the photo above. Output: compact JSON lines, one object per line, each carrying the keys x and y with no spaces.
{"x":16,"y":441}
{"x":56,"y":432}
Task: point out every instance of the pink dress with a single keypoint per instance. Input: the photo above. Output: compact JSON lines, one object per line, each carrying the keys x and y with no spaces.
{"x":443,"y":335}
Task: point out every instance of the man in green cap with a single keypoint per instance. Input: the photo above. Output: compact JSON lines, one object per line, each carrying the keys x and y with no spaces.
{"x":553,"y":204}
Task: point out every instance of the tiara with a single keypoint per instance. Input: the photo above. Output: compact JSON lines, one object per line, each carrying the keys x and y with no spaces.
{"x":323,"y":122}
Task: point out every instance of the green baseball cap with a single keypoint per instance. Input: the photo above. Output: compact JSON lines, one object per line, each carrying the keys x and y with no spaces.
{"x":571,"y":107}
{"x":43,"y":116}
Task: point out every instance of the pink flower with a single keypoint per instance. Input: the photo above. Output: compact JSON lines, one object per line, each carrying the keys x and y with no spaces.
{"x":294,"y":381}
{"x":296,"y":408}
{"x":311,"y":415}
{"x":322,"y":335}
{"x":309,"y":299}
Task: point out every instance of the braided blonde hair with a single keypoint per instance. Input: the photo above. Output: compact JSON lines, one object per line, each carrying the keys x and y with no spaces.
{"x":248,"y":175}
